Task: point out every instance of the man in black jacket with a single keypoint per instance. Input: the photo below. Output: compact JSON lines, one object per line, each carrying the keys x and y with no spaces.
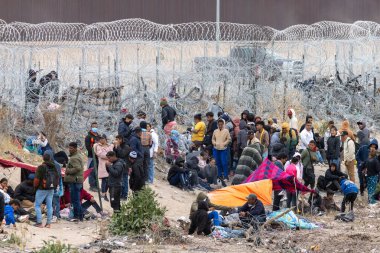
{"x":333,"y":148}
{"x":136,"y":172}
{"x":122,"y":151}
{"x":212,"y":125}
{"x":115,"y":167}
{"x":252,"y":212}
{"x":135,"y":143}
{"x":332,"y":177}
{"x":200,"y":220}
{"x":25,"y":192}
{"x":124,"y":128}
{"x":91,"y":138}
{"x":168,"y":113}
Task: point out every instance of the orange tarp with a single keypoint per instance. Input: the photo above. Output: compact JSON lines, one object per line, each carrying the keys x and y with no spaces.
{"x":235,"y":196}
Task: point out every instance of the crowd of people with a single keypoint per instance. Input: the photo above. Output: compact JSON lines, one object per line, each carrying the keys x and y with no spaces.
{"x":220,"y":148}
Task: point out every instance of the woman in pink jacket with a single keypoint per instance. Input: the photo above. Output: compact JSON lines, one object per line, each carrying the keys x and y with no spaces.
{"x":101,"y":149}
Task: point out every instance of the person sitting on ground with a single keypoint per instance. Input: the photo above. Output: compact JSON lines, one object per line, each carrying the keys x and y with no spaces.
{"x":4,"y":184}
{"x":350,"y":192}
{"x":42,"y":142}
{"x":328,"y":202}
{"x":332,"y":177}
{"x":253,"y":211}
{"x":2,"y":206}
{"x":200,"y":221}
{"x":213,"y":215}
{"x":88,"y":199}
{"x":178,"y":176}
{"x":25,"y":192}
{"x":6,"y":196}
{"x":9,"y":212}
{"x":211,"y":172}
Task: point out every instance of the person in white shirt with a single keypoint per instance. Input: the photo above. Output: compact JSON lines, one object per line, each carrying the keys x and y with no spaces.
{"x":153,"y":152}
{"x":348,"y":155}
{"x":293,"y":121}
{"x":306,"y":136}
{"x":299,"y":166}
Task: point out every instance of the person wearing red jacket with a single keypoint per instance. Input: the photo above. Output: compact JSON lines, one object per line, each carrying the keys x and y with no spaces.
{"x":88,"y":199}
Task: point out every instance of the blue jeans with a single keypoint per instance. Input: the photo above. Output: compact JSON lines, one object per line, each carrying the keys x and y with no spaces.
{"x":151,"y":171}
{"x":124,"y":190}
{"x":56,"y":206}
{"x":92,"y":176}
{"x":178,"y":180}
{"x":42,"y":195}
{"x":216,"y":219}
{"x":319,"y":157}
{"x":75,"y":189}
{"x":221,"y":157}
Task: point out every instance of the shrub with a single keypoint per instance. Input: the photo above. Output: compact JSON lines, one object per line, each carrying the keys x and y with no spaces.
{"x":56,"y":247}
{"x":140,"y":213}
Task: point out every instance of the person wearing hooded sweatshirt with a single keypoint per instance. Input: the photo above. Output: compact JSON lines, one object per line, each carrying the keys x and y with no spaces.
{"x":293,"y":121}
{"x":200,"y":221}
{"x":242,"y":137}
{"x":363,"y":133}
{"x":299,"y":166}
{"x":332,"y":177}
{"x":333,"y":148}
{"x":350,"y":192}
{"x":25,"y":192}
{"x":372,"y":170}
{"x":178,"y":176}
{"x":361,"y":158}
{"x":90,"y":140}
{"x":125,"y":128}
{"x":136,"y":172}
{"x":45,"y":182}
{"x":346,"y":127}
{"x":220,"y":140}
{"x":213,"y":215}
{"x":348,"y":154}
{"x":291,"y":138}
{"x":58,"y":192}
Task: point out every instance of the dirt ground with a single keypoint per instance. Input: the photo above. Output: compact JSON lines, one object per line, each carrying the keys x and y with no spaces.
{"x":333,"y":236}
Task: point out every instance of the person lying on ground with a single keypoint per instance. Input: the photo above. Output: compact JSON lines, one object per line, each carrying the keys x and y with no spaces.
{"x":200,"y":221}
{"x":4,"y":184}
{"x":253,"y":211}
{"x":350,"y":192}
{"x":328,"y":202}
{"x":332,"y":177}
{"x":9,"y":211}
{"x":25,"y":192}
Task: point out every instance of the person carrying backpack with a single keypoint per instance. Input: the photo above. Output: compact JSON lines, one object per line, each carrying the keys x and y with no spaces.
{"x":45,"y":182}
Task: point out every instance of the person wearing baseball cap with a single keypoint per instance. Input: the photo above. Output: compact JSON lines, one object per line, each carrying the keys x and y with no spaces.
{"x":253,"y":211}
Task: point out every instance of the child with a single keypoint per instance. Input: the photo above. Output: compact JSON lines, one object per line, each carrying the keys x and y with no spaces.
{"x":9,"y":212}
{"x":172,"y":150}
{"x":211,"y":172}
{"x":350,"y":191}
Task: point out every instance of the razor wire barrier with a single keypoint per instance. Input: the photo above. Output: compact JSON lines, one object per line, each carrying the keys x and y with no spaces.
{"x":327,"y":69}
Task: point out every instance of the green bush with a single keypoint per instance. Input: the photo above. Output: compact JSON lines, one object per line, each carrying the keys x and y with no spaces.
{"x":140,"y":213}
{"x":56,"y":247}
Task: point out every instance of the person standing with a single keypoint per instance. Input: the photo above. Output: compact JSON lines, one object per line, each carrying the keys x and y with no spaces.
{"x":115,"y":167}
{"x":74,"y":177}
{"x":90,"y":140}
{"x":362,"y":157}
{"x":309,"y":119}
{"x":327,"y":134}
{"x":168,"y":115}
{"x":262,"y":134}
{"x":308,"y":157}
{"x":198,"y":132}
{"x":306,"y":135}
{"x":291,"y":138}
{"x":220,"y":140}
{"x":146,"y":143}
{"x":212,"y":125}
{"x":153,"y":152}
{"x":135,"y":143}
{"x":348,"y":155}
{"x":101,"y":149}
{"x":372,"y":170}
{"x":32,"y":96}
{"x":58,"y":192}
{"x":45,"y":182}
{"x":122,"y":151}
{"x":125,"y":128}
{"x":136,"y":172}
{"x":293,"y":121}
{"x":363,"y":134}
{"x":333,"y":148}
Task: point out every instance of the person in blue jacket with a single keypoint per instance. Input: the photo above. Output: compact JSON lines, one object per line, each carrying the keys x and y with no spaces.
{"x":350,"y":192}
{"x":362,"y":157}
{"x":9,"y":212}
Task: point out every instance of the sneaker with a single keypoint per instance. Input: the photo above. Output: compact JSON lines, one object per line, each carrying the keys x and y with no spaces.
{"x":54,"y":219}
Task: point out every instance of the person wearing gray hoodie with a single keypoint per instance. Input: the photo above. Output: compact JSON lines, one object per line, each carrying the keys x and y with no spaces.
{"x":363,"y":133}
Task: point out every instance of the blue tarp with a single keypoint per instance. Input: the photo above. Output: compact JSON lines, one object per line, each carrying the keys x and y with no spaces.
{"x":292,"y":220}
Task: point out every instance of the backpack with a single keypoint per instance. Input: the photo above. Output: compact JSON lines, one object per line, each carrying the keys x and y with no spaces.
{"x":50,"y":179}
